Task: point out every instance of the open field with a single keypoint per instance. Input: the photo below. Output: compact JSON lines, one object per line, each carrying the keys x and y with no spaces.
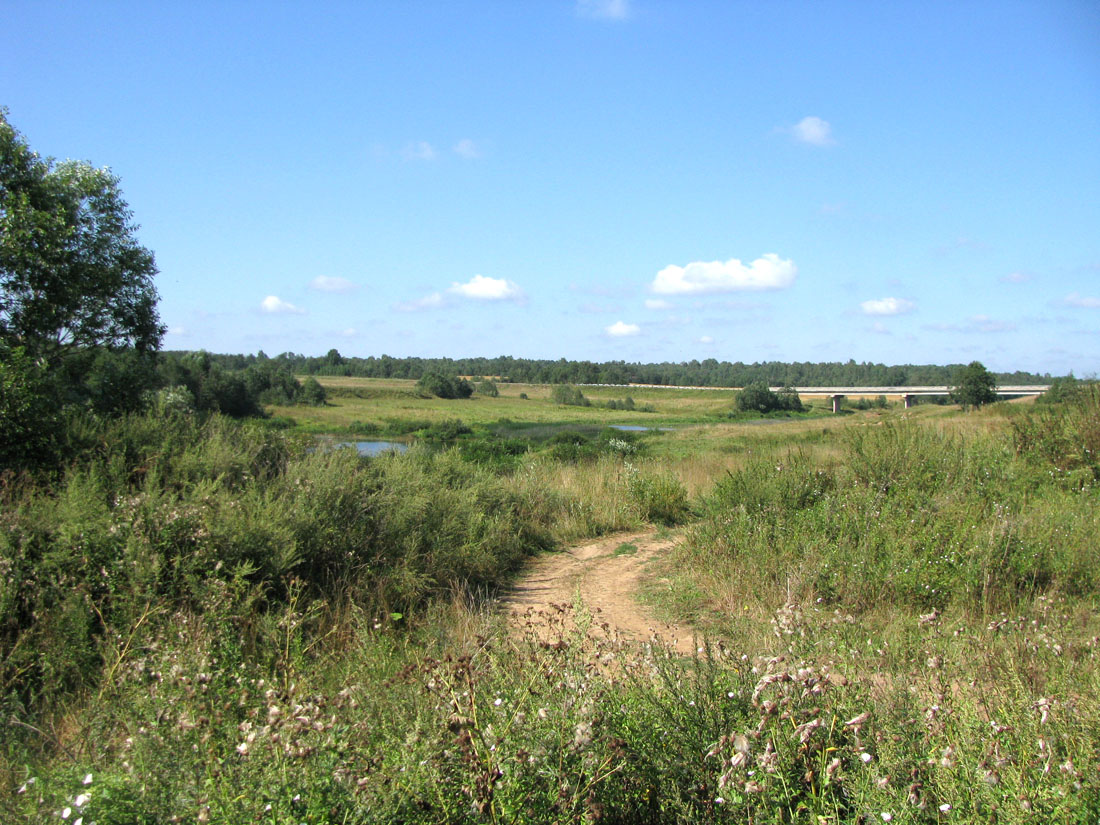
{"x":895,"y":617}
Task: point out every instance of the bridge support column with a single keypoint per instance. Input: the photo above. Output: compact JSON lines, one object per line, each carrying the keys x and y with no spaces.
{"x":837,"y":399}
{"x":907,"y":400}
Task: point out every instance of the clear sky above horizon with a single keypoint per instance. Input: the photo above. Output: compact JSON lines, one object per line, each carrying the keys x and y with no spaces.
{"x":645,"y":180}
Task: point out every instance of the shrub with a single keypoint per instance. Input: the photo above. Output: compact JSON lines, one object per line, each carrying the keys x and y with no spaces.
{"x":757,"y":397}
{"x":444,"y":386}
{"x":568,"y":395}
{"x":659,"y":497}
{"x":488,"y":389}
{"x":312,"y":393}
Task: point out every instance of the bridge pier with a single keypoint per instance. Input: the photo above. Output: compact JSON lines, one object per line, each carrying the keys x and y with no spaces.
{"x":907,"y":399}
{"x":836,"y":399}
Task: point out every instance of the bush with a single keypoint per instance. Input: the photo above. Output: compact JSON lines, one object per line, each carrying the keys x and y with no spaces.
{"x":659,"y":497}
{"x":312,"y":393}
{"x":488,"y":389}
{"x":568,"y":395}
{"x":29,"y":424}
{"x":757,"y":397}
{"x":444,"y":386}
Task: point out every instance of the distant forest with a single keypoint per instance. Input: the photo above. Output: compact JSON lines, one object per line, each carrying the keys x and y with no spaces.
{"x":707,"y":373}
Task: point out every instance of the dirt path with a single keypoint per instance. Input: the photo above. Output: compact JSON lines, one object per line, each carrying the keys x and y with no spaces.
{"x":605,"y":574}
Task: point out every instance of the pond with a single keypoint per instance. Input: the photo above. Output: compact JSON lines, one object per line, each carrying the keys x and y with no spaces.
{"x":637,"y":428}
{"x":373,"y":448}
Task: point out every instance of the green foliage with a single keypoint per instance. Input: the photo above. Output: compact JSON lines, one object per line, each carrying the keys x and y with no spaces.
{"x":568,"y":395}
{"x":973,"y":386}
{"x":1064,"y":440}
{"x":312,"y":393}
{"x":72,"y":274}
{"x":444,"y":386}
{"x":488,"y":389}
{"x":445,"y":431}
{"x":239,"y":393}
{"x":29,"y":423}
{"x":1063,"y":390}
{"x":757,"y":397}
{"x":659,"y":497}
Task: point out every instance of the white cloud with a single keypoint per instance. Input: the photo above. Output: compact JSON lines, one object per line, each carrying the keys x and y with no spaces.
{"x":327,"y":283}
{"x":466,"y":148}
{"x":887,"y":306}
{"x":1016,"y":278}
{"x":420,"y":150}
{"x":604,"y":9}
{"x":699,"y":277}
{"x":481,"y":288}
{"x":350,"y":332}
{"x":621,"y":330}
{"x":275,"y":304}
{"x":706,"y":339}
{"x":657,"y":303}
{"x":814,"y":131}
{"x":1075,"y":299}
{"x":177,"y":331}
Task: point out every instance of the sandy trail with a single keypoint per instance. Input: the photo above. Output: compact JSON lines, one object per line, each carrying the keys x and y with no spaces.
{"x":605,"y":575}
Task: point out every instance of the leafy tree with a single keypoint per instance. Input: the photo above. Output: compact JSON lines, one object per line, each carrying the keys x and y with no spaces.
{"x":569,"y":395}
{"x":444,"y":386}
{"x":1063,"y":390}
{"x":758,"y":397}
{"x":312,"y":393}
{"x":72,"y":274}
{"x":488,"y":389}
{"x":973,"y":386}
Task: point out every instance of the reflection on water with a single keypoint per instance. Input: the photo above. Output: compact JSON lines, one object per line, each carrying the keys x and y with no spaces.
{"x":372,"y":448}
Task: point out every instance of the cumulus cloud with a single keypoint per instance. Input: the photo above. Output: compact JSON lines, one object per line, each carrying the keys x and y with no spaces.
{"x":466,"y":148}
{"x":706,"y":339}
{"x":276,"y":305}
{"x":887,"y":306}
{"x":327,"y":283}
{"x":418,"y":150}
{"x":657,"y":303}
{"x":701,"y":277}
{"x":604,"y":9}
{"x":481,"y":288}
{"x":814,"y":131}
{"x":1075,"y":299}
{"x":621,"y":330}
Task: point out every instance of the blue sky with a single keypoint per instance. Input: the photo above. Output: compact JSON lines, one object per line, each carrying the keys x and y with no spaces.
{"x":621,"y":179}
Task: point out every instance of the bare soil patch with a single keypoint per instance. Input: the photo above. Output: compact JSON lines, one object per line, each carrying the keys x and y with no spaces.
{"x":603,"y":576}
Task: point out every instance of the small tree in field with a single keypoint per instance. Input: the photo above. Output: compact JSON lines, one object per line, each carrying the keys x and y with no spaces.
{"x":974,"y":385}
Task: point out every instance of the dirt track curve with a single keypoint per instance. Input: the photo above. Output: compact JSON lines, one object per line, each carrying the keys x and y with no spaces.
{"x":605,"y":581}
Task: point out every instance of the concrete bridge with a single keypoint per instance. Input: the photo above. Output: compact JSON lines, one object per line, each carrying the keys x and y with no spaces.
{"x":906,"y":394}
{"x":838,"y":394}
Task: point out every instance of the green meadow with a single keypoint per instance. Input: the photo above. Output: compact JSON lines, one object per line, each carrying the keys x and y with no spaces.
{"x":210,"y":620}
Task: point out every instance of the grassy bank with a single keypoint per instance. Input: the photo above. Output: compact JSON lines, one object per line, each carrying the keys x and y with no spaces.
{"x":204,"y":621}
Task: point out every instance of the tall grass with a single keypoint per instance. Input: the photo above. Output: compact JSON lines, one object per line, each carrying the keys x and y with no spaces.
{"x":205,"y":622}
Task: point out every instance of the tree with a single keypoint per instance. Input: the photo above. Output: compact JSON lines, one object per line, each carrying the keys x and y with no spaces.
{"x":973,"y":386}
{"x":72,"y":274}
{"x":312,"y":393}
{"x":758,"y":397}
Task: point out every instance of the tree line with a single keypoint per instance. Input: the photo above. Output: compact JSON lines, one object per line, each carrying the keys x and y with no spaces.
{"x":707,"y":373}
